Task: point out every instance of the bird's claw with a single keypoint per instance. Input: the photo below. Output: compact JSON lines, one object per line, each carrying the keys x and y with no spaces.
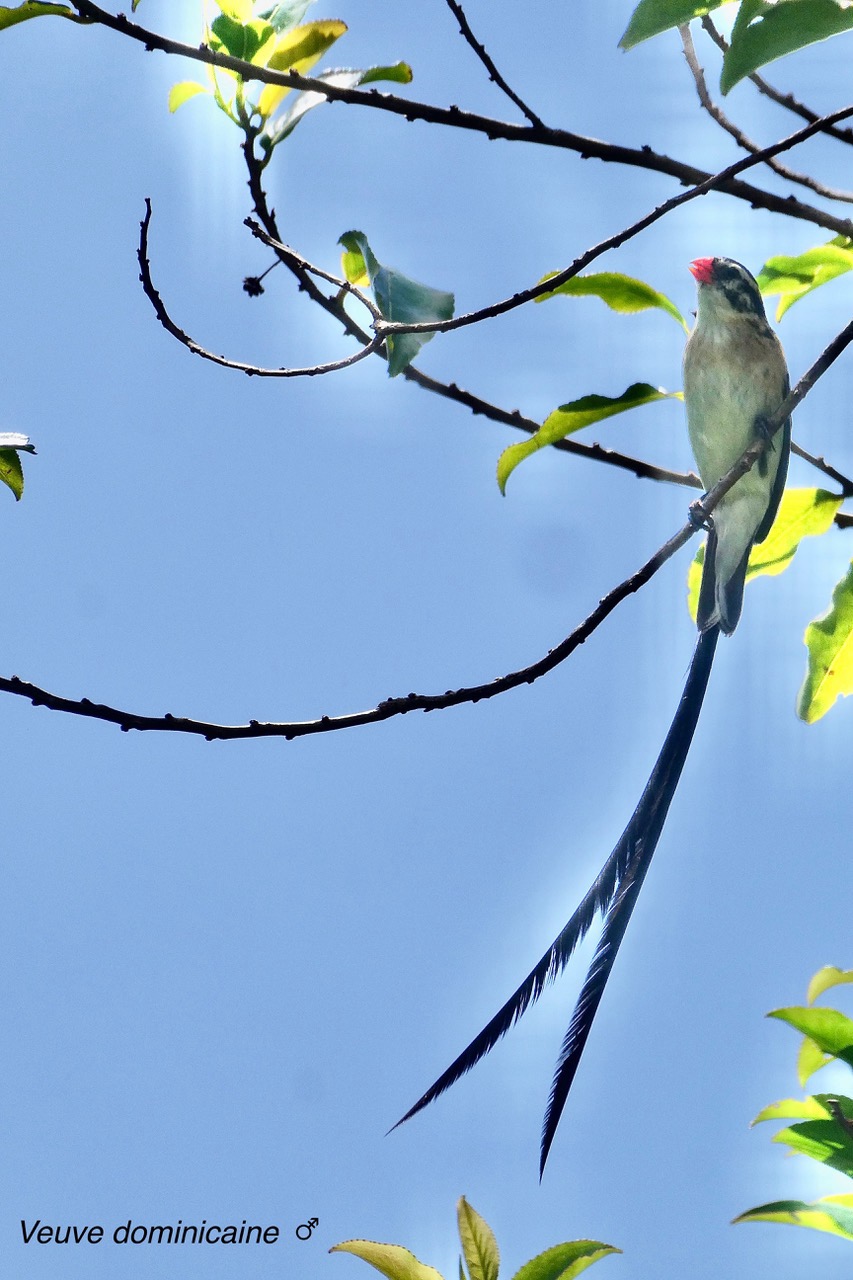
{"x":698,"y":516}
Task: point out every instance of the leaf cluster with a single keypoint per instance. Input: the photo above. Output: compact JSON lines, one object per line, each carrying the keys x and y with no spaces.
{"x":824,"y":1122}
{"x":480,"y":1259}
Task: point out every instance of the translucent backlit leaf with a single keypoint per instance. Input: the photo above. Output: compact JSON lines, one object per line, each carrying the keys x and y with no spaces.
{"x":239,"y":10}
{"x":565,"y":1261}
{"x":621,"y":293}
{"x":794,"y":277}
{"x":32,"y":9}
{"x":392,"y":1260}
{"x":792,"y":1109}
{"x":827,"y":978}
{"x":478,"y":1243}
{"x":833,"y":1214}
{"x":279,"y":127}
{"x":829,"y":640}
{"x":809,"y":1060}
{"x":297,"y":50}
{"x":182,"y":92}
{"x":572,"y":417}
{"x":764,"y":32}
{"x":399,"y":298}
{"x":653,"y":16}
{"x":831,"y":1030}
{"x":803,"y":513}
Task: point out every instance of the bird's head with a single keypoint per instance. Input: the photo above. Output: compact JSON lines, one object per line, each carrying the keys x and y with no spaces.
{"x":727,"y":291}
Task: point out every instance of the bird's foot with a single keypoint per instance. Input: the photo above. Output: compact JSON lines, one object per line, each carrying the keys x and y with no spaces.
{"x":698,"y":516}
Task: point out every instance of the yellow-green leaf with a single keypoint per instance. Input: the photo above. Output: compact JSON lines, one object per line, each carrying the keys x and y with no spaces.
{"x":572,"y":417}
{"x":478,"y":1243}
{"x":792,"y":1109}
{"x":240,"y":10}
{"x":622,"y":293}
{"x":297,"y":50}
{"x":829,"y":640}
{"x":803,"y":513}
{"x":182,"y":92}
{"x":565,"y":1261}
{"x":392,"y":1260}
{"x":794,"y":277}
{"x":809,"y":1060}
{"x":833,"y":1214}
{"x":831,"y":1030}
{"x":9,"y":17}
{"x":826,"y":978}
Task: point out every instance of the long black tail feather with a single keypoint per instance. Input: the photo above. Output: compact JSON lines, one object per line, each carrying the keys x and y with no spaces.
{"x":612,"y":894}
{"x":640,"y":839}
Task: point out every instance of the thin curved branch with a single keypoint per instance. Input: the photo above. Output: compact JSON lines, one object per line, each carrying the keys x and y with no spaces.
{"x":453,"y":117}
{"x":718,"y":115}
{"x":786,"y":100}
{"x":311,"y":371}
{"x":699,"y":512}
{"x":494,"y":75}
{"x":820,"y":464}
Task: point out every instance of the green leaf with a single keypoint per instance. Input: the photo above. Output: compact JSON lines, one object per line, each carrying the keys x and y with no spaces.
{"x":833,"y":1214}
{"x":182,"y":92}
{"x":33,"y":9}
{"x":621,"y":293}
{"x":792,"y":1109}
{"x":803,"y":513}
{"x":239,"y":39}
{"x":392,"y":1260}
{"x":831,"y":1030}
{"x":764,"y":32}
{"x":569,"y":418}
{"x":401,"y":299}
{"x":826,"y":1141}
{"x":829,"y":640}
{"x":653,"y":16}
{"x":565,"y":1261}
{"x":794,"y":277}
{"x":277,"y":129}
{"x":11,"y":471}
{"x":825,"y":979}
{"x":478,"y":1243}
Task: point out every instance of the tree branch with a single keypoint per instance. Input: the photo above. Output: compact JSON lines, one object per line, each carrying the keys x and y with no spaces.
{"x":387,"y":327}
{"x":453,"y":117}
{"x":718,"y":115}
{"x":385,"y":710}
{"x":253,"y":370}
{"x":786,"y":100}
{"x":494,"y":75}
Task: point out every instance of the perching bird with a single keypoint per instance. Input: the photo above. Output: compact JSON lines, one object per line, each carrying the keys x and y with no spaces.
{"x":735,"y":379}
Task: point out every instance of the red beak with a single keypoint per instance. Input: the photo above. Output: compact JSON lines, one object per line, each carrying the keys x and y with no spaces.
{"x":702,"y":269}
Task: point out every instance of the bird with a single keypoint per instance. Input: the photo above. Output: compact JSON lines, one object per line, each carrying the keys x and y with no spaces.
{"x":735,"y":379}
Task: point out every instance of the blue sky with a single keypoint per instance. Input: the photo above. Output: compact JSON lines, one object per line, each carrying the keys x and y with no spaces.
{"x":228,"y":968}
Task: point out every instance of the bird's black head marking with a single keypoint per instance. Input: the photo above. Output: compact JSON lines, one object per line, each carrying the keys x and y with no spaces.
{"x":739,"y":287}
